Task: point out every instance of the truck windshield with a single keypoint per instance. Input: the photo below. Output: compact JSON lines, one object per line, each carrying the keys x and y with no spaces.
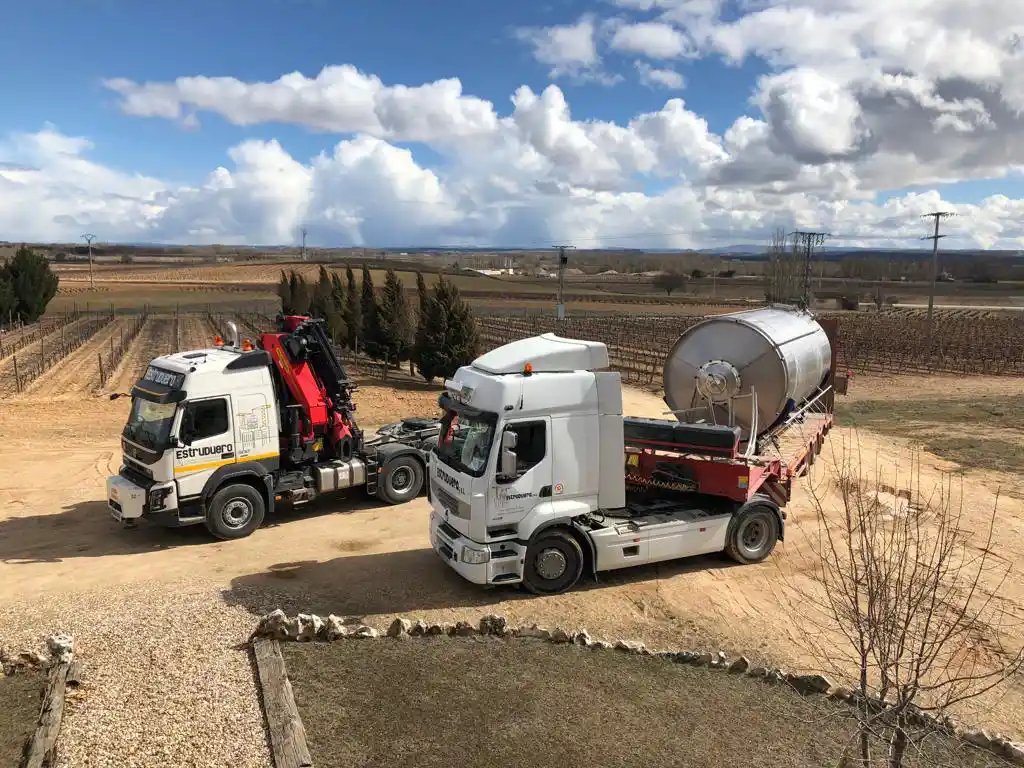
{"x":149,"y":423}
{"x":465,"y":441}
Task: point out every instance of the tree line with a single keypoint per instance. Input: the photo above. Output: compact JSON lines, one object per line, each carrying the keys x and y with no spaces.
{"x":27,"y":284}
{"x":437,"y":336}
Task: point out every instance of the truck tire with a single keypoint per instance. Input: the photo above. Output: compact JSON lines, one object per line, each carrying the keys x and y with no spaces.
{"x":554,"y":563}
{"x":400,"y":480}
{"x":753,"y":534}
{"x":235,"y":511}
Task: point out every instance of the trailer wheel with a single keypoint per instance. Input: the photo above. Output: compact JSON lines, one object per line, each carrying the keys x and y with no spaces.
{"x":554,"y":563}
{"x":235,"y":511}
{"x":401,"y":480}
{"x":753,"y":535}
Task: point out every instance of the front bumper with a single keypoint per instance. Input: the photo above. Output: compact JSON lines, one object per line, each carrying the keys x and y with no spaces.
{"x":128,"y":502}
{"x":503,"y":562}
{"x":125,"y":500}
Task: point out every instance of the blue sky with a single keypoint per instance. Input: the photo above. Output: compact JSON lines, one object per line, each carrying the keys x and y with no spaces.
{"x":819,"y":147}
{"x":87,"y":41}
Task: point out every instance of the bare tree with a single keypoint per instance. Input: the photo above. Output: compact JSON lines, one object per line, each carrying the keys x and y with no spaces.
{"x":784,"y":275}
{"x":903,"y":605}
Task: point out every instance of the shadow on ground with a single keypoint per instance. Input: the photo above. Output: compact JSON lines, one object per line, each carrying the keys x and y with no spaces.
{"x":406,"y":582}
{"x":86,"y":529}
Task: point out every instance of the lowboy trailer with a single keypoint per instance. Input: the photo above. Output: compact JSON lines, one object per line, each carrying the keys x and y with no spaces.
{"x":537,"y":478}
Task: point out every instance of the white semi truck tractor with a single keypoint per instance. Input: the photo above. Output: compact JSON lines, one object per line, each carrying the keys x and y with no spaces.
{"x":538,"y":478}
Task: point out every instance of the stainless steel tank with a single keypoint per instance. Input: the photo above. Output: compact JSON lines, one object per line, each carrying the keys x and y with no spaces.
{"x":779,"y":352}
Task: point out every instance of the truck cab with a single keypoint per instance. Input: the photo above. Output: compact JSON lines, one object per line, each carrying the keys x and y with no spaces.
{"x":531,"y":438}
{"x":197,"y":419}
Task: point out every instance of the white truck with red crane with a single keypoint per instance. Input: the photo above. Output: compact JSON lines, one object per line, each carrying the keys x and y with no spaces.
{"x":538,"y":478}
{"x":218,"y":436}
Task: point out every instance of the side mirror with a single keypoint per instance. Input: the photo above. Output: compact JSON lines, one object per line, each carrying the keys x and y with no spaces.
{"x":507,"y":461}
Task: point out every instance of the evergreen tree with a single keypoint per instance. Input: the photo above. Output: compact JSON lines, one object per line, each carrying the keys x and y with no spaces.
{"x":421,"y":316}
{"x":320,"y":302}
{"x":370,"y":316}
{"x":448,"y":337}
{"x":284,"y":291}
{"x":300,"y":294}
{"x":7,"y":299}
{"x":336,"y":313}
{"x":31,"y":282}
{"x":353,"y":314}
{"x":395,"y":324}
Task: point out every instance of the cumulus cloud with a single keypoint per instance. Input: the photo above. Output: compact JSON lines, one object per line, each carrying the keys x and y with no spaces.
{"x":366,"y":191}
{"x":861,"y":97}
{"x":656,"y":77}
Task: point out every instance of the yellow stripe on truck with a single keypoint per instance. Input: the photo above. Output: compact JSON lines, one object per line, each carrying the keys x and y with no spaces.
{"x":224,"y":463}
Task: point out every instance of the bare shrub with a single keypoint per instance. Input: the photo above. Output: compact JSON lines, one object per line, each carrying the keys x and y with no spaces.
{"x":901,"y":604}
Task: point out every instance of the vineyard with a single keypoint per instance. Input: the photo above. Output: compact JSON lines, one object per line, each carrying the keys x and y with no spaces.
{"x":890,"y":342}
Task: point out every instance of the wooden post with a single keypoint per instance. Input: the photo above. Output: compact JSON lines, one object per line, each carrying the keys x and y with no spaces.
{"x":287,"y":734}
{"x":42,"y":353}
{"x":103,"y":377}
{"x":63,"y":344}
{"x":44,"y":742}
{"x":17,"y":376}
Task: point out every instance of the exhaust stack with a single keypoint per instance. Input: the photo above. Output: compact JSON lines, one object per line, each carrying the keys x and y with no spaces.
{"x":233,"y":334}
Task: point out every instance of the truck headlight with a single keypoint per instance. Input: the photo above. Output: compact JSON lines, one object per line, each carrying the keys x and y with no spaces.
{"x":475,"y":556}
{"x":157,"y":497}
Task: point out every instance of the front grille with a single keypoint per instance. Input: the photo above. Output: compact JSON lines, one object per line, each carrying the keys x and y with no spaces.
{"x":448,"y":531}
{"x":453,"y":505}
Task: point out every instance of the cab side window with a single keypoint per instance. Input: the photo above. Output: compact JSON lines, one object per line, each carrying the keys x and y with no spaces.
{"x":208,"y":418}
{"x":531,"y":444}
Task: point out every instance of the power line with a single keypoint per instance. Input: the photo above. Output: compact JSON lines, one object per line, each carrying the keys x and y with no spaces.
{"x":938,"y":216}
{"x":808,"y":240}
{"x":88,"y":239}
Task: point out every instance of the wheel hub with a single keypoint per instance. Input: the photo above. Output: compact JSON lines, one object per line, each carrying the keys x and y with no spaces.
{"x":401,"y":479}
{"x":237,"y":513}
{"x":754,"y":535}
{"x":551,"y":564}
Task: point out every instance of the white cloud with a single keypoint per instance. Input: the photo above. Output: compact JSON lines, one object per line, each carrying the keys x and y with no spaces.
{"x":652,"y":39}
{"x":366,"y":191}
{"x":861,"y":97}
{"x":659,"y":78}
{"x":569,"y":49}
{"x":340,"y":99}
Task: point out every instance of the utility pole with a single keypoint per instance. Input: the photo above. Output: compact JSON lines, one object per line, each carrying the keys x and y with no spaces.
{"x":88,"y":239}
{"x":809,"y":241}
{"x":303,"y":230}
{"x":563,"y":261}
{"x":938,"y":216}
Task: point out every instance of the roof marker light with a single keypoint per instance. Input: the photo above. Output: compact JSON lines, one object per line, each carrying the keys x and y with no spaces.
{"x":527,"y":369}
{"x":218,"y":341}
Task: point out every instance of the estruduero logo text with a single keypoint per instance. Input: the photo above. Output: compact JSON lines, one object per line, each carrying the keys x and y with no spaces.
{"x":505,"y":496}
{"x":449,"y":480}
{"x":206,"y":450}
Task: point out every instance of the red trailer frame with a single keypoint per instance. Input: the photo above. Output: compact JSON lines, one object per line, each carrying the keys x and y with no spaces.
{"x":739,"y":474}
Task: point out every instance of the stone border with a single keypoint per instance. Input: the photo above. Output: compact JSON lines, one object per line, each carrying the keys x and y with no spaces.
{"x":62,"y":671}
{"x":309,"y":627}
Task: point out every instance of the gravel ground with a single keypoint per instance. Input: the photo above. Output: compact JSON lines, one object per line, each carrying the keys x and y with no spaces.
{"x":166,"y":683}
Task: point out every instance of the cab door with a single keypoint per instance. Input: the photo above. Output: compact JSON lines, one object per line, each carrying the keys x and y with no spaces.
{"x":206,"y":431}
{"x":513,"y":498}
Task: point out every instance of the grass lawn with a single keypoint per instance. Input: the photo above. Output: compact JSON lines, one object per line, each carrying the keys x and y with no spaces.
{"x":21,"y":696}
{"x":523,"y":703}
{"x":982,"y":432}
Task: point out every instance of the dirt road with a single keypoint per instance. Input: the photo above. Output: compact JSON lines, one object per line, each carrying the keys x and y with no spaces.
{"x":172,"y":606}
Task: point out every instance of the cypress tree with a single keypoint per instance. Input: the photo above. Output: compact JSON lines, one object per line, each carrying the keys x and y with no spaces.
{"x":448,"y":337}
{"x":30,"y":282}
{"x":320,"y":303}
{"x":284,"y":291}
{"x":353,"y":310}
{"x":395,"y":325}
{"x":336,"y":309}
{"x":370,"y":316}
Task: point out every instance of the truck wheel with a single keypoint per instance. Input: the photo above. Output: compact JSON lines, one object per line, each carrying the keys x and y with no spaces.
{"x":554,"y":563}
{"x":235,"y":511}
{"x":753,"y":535}
{"x":401,"y":480}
